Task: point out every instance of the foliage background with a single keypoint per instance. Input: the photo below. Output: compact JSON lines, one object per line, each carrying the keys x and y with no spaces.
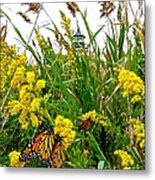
{"x":88,"y":105}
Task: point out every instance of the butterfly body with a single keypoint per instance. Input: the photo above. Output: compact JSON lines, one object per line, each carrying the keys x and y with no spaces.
{"x":85,"y":125}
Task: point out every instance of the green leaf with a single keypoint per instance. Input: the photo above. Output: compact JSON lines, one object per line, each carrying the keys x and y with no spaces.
{"x":101,"y":165}
{"x":121,"y":40}
{"x":95,"y":146}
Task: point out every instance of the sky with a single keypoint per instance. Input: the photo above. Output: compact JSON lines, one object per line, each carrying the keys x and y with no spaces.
{"x":93,"y":18}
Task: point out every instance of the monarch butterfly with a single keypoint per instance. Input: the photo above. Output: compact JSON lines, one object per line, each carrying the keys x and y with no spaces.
{"x":85,"y":125}
{"x":46,"y":147}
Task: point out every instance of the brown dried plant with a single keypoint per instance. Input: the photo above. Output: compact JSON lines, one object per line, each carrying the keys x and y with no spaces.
{"x":33,"y":7}
{"x":73,"y":7}
{"x":3,"y":33}
{"x":24,"y":16}
{"x":106,"y":8}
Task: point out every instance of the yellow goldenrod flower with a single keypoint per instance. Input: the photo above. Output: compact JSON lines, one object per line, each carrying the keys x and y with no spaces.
{"x":27,"y":99}
{"x":40,"y":84}
{"x":136,"y":98}
{"x":34,"y":120}
{"x":30,"y":77}
{"x":10,"y":60}
{"x":131,"y":84}
{"x":138,"y":131}
{"x":18,"y":78}
{"x":27,"y":87}
{"x":92,"y":115}
{"x":12,"y":103}
{"x":12,"y":68}
{"x":16,"y":108}
{"x":24,"y":125}
{"x":23,"y":115}
{"x":22,"y":58}
{"x":142,"y":144}
{"x":23,"y":118}
{"x":23,"y":90}
{"x":63,"y":128}
{"x":103,"y":123}
{"x":3,"y":76}
{"x":126,"y":160}
{"x":35,"y":104}
{"x":20,"y":71}
{"x":14,"y":159}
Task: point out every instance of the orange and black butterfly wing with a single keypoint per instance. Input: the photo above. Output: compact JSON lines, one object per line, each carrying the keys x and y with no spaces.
{"x":32,"y":149}
{"x":45,"y":147}
{"x":27,"y":153}
{"x":57,"y":157}
{"x":37,"y":141}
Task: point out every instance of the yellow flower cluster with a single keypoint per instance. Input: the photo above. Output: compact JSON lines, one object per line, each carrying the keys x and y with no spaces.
{"x":131,"y":85}
{"x":138,"y":132}
{"x":14,"y":159}
{"x":11,"y":51}
{"x":34,"y":120}
{"x":9,"y":61}
{"x":18,"y":61}
{"x":63,"y":128}
{"x":3,"y":77}
{"x":30,"y":98}
{"x":18,"y":78}
{"x":92,"y":115}
{"x":40,"y":84}
{"x":30,"y":77}
{"x":15,"y":107}
{"x":126,"y":160}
